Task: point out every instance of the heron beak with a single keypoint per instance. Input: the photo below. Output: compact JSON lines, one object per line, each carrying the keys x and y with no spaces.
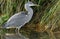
{"x":34,"y":5}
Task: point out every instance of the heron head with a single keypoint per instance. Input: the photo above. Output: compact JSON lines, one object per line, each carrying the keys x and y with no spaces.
{"x":32,"y":4}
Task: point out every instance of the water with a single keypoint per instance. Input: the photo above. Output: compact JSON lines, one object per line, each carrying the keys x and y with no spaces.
{"x":11,"y":34}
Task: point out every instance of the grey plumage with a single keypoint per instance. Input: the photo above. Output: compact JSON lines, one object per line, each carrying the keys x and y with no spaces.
{"x":16,"y":20}
{"x":20,"y":19}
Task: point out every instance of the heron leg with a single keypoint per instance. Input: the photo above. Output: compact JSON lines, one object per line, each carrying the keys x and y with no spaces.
{"x":16,"y":30}
{"x":21,"y":34}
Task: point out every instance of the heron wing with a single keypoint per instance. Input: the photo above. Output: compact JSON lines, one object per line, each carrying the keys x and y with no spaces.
{"x":17,"y":20}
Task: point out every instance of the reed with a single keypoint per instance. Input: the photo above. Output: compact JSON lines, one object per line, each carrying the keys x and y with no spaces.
{"x":46,"y":15}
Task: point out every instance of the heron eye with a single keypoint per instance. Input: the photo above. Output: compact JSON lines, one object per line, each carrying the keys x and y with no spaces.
{"x":30,"y":3}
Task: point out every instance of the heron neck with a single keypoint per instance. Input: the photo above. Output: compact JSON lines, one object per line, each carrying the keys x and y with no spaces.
{"x":29,"y":9}
{"x":30,"y":13}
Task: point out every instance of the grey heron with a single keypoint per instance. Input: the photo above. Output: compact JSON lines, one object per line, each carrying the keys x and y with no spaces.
{"x":20,"y":19}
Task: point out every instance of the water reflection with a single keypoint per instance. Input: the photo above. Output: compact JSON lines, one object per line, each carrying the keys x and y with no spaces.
{"x":10,"y":34}
{"x":14,"y":36}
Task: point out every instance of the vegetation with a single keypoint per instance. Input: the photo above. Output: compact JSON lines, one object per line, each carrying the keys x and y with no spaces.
{"x":45,"y":23}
